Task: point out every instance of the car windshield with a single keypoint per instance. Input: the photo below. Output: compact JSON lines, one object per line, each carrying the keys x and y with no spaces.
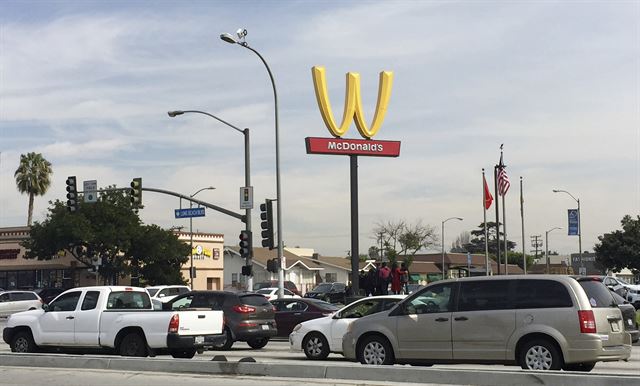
{"x":152,"y":291}
{"x":326,"y":287}
{"x":262,"y":285}
{"x":622,"y":281}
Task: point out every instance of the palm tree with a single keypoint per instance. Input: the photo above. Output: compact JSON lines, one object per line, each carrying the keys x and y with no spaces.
{"x":33,"y":177}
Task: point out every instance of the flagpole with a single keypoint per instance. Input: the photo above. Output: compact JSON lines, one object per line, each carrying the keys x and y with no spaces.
{"x":504,"y":226}
{"x":524,"y":256}
{"x":495,"y":185}
{"x":486,"y":230}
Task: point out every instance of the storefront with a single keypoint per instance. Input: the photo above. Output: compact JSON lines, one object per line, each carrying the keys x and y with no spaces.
{"x":208,"y":261}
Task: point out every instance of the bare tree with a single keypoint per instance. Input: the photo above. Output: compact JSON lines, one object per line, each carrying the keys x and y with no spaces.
{"x":399,"y":238}
{"x":459,"y":245}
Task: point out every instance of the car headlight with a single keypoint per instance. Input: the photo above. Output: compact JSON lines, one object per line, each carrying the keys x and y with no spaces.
{"x":297,"y":327}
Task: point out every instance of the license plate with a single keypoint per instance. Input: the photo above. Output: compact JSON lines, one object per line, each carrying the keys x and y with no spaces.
{"x":199,"y":339}
{"x":265,"y":326}
{"x":614,"y":327}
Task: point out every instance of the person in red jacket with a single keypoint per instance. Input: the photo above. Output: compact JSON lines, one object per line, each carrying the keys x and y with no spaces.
{"x":395,"y":279}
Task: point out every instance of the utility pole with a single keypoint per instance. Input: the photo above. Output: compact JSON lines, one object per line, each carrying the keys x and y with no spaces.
{"x":536,"y":242}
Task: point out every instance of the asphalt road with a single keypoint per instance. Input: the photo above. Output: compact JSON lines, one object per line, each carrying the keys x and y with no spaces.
{"x":277,"y":351}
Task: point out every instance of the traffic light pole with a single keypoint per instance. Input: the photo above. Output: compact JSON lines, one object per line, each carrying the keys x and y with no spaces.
{"x":247,"y":212}
{"x":203,"y":203}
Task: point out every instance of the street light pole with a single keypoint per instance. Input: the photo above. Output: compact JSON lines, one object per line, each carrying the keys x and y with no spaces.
{"x":191,"y":235}
{"x":546,"y":248}
{"x":242,"y":33}
{"x":247,"y":174}
{"x":579,"y":225}
{"x":450,"y":218}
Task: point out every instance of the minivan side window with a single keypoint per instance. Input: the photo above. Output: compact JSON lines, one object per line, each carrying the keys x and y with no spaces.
{"x":541,"y":294}
{"x":484,"y":295}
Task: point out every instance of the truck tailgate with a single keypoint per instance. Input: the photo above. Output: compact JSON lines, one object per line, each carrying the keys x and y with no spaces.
{"x":200,"y":322}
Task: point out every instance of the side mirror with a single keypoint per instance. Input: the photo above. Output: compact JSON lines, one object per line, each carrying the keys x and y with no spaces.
{"x":337,"y":316}
{"x":45,"y":307}
{"x":161,"y":295}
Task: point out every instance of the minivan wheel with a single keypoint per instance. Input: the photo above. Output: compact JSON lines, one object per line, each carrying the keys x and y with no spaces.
{"x":586,"y":367}
{"x":226,"y":343}
{"x":257,"y":343}
{"x":540,"y":354}
{"x":375,"y":350}
{"x":315,"y":346}
{"x":23,"y":342}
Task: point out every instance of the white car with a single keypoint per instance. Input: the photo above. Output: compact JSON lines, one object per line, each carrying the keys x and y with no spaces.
{"x":271,"y":293}
{"x":18,"y":301}
{"x":163,"y":293}
{"x":318,"y":337}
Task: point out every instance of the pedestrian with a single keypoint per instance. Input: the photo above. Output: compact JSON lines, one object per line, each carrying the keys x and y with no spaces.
{"x":362,"y":283}
{"x":372,"y":281}
{"x":404,"y":278}
{"x":395,"y":279}
{"x":384,"y":277}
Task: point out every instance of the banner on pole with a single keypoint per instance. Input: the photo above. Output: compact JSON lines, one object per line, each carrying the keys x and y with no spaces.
{"x":574,"y":221}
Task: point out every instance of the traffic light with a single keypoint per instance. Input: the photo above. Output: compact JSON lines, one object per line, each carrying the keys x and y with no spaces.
{"x":72,"y":194}
{"x":273,"y":265}
{"x":136,"y":192}
{"x":245,"y":243}
{"x":266,"y":215}
{"x":246,"y":270}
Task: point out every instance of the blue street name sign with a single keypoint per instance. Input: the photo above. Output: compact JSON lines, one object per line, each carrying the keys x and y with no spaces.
{"x":193,"y":212}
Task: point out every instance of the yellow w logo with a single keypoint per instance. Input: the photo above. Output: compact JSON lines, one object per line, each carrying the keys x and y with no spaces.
{"x":352,"y":103}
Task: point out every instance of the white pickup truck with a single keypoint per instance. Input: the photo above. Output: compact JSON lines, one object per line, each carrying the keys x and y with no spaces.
{"x":116,"y":318}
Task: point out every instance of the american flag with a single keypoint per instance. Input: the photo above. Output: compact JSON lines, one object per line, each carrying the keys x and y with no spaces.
{"x":503,"y":181}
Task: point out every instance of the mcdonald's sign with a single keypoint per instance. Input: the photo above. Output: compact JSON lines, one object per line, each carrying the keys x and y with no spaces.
{"x":352,"y":112}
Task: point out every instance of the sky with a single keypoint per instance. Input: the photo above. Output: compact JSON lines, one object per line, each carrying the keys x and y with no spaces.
{"x":88,"y":85}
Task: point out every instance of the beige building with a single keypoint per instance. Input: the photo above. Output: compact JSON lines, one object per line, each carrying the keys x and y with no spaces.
{"x":64,"y":271}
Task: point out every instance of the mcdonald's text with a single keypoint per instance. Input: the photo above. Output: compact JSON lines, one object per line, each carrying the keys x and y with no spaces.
{"x":362,"y":147}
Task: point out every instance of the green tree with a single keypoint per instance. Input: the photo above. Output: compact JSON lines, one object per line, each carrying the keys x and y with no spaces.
{"x":33,"y":177}
{"x":108,"y":229}
{"x":157,"y":256}
{"x":620,"y":248}
{"x":403,"y":239}
{"x":476,"y":244}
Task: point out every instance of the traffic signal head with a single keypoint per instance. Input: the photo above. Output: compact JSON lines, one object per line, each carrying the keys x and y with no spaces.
{"x":246,"y":270}
{"x":245,"y":243}
{"x":271,"y":265}
{"x":72,"y":194}
{"x":136,"y":192}
{"x":266,"y":217}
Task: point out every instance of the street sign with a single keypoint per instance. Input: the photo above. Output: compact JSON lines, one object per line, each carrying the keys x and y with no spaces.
{"x":189,"y":212}
{"x":246,"y":197}
{"x":90,"y":189}
{"x":582,"y":271}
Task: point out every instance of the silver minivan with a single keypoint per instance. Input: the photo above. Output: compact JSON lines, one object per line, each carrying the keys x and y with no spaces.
{"x":540,"y":322}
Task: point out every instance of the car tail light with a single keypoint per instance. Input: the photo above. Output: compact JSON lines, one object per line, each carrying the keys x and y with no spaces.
{"x":243,"y":309}
{"x":247,"y":324}
{"x":174,"y":323}
{"x":587,"y":322}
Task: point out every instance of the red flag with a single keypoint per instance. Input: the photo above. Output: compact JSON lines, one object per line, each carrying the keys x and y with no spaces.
{"x":488,"y":198}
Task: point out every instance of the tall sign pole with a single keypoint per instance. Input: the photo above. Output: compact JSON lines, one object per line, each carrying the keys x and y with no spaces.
{"x":352,"y":147}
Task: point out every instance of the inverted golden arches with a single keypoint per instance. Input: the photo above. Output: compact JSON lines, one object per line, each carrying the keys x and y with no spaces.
{"x":352,"y":103}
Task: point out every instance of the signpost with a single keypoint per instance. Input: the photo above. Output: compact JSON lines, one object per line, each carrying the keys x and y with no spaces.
{"x":189,"y":212}
{"x":90,"y":189}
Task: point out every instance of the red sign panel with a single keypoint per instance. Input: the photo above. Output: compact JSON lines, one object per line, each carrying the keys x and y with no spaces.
{"x":341,"y":146}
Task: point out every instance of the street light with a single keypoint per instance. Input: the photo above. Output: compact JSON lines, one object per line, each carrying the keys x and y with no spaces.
{"x":247,"y":171}
{"x":191,"y":276}
{"x":546,"y":247}
{"x":242,"y":33}
{"x":450,"y":218}
{"x":579,"y":224}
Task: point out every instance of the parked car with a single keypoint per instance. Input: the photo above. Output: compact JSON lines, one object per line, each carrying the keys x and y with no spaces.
{"x":48,"y":294}
{"x":329,"y":292}
{"x":628,"y":316}
{"x":291,"y":312}
{"x":540,"y":322}
{"x":164,"y":293}
{"x":318,"y":337}
{"x":272,"y":293}
{"x":18,"y":301}
{"x":633,"y":297}
{"x":274,"y":284}
{"x":629,"y":292}
{"x":248,"y":316}
{"x":115,"y":318}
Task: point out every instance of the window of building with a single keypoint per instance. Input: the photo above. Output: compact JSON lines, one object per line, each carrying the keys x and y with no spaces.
{"x":330,"y":277}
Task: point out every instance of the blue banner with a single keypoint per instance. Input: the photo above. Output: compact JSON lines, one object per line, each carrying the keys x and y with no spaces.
{"x":193,"y":212}
{"x":574,"y":222}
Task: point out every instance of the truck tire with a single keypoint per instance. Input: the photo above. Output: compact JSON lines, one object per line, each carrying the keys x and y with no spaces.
{"x":258,"y":343}
{"x":133,"y":345}
{"x":187,"y":354}
{"x":23,"y":342}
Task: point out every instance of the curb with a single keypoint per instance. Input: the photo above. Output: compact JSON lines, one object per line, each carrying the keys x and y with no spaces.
{"x":395,"y":374}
